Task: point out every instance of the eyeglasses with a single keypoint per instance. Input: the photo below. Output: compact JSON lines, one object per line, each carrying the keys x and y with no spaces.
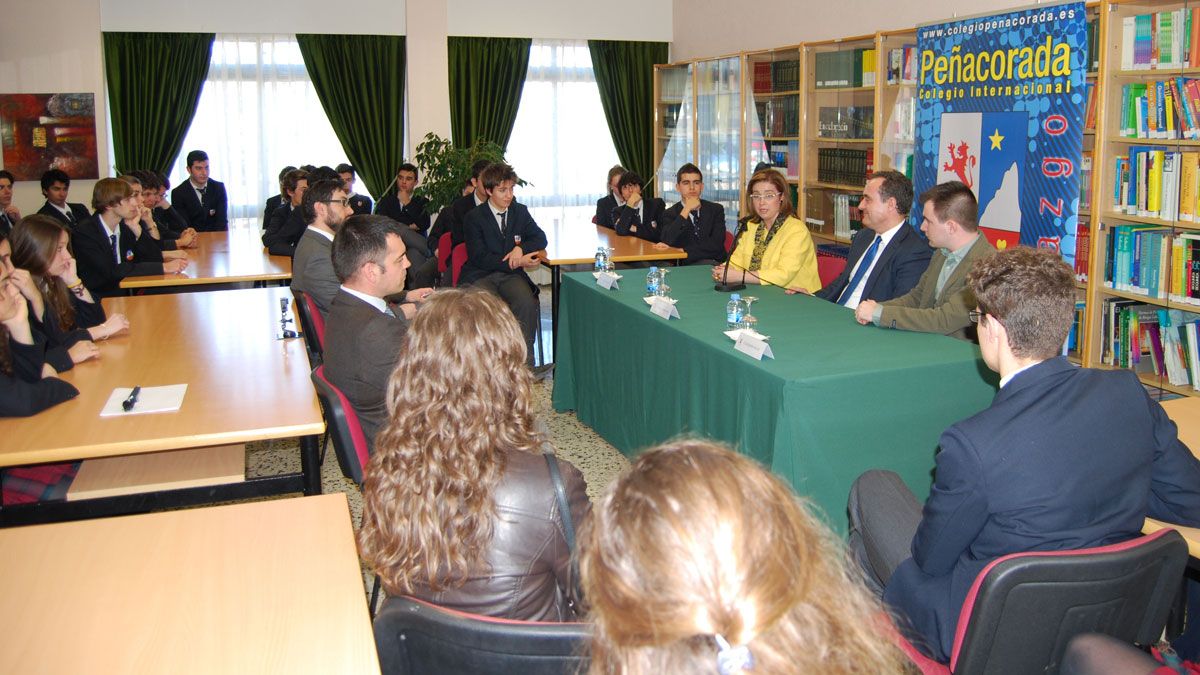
{"x":975,"y":315}
{"x":765,"y":196}
{"x":343,"y":202}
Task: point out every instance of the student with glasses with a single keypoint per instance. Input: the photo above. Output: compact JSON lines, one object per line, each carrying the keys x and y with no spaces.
{"x":775,"y":248}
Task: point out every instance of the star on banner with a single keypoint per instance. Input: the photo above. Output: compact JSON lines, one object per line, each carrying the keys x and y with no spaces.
{"x":995,"y":138}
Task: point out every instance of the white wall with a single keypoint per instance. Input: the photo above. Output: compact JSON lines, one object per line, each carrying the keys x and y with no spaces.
{"x":715,"y":27}
{"x":38,"y":56}
{"x":348,"y":17}
{"x":647,"y":20}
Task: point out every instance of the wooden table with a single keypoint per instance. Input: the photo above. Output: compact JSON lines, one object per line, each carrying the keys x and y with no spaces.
{"x":222,"y":258}
{"x":576,"y":244}
{"x":1186,"y":414}
{"x":264,"y":587}
{"x":243,"y":385}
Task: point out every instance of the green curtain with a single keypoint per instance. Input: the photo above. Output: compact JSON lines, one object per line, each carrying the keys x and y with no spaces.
{"x":625,"y":76}
{"x":360,"y":82}
{"x":154,"y":83}
{"x":486,"y":77}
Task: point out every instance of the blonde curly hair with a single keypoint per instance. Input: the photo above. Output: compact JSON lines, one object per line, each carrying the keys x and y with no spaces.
{"x":459,"y":399}
{"x":696,"y":541}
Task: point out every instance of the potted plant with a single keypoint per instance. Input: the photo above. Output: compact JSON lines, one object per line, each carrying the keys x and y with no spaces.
{"x":445,"y":168}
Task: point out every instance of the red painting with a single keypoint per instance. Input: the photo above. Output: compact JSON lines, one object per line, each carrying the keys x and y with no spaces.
{"x":49,"y":131}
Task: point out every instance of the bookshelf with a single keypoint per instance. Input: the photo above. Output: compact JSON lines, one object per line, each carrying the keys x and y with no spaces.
{"x":837,"y":134}
{"x":674,"y":124}
{"x":1089,"y":181}
{"x":773,"y":112}
{"x":1142,"y":307}
{"x":895,"y":114}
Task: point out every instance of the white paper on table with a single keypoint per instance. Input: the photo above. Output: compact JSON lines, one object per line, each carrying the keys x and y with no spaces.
{"x":753,"y":345}
{"x":167,"y":398}
{"x":664,"y":307}
{"x":737,"y":332}
{"x":607,"y":280}
{"x":650,"y":299}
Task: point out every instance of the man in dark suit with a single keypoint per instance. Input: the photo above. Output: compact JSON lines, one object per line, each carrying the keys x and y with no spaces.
{"x":887,"y":257}
{"x":112,"y":244}
{"x":287,"y":222}
{"x":9,"y":213}
{"x":451,"y":218}
{"x":55,"y":186}
{"x":362,"y":332}
{"x":695,"y":225}
{"x":640,"y":217}
{"x":941,"y":300}
{"x":404,"y":207}
{"x":361,"y":204}
{"x":274,"y":201}
{"x":200,"y":200}
{"x":502,"y":242}
{"x":1064,"y":458}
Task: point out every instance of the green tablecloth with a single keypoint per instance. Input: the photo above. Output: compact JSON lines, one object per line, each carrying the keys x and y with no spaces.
{"x":837,"y":399}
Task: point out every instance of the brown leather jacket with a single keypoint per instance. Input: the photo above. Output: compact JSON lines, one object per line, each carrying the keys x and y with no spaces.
{"x":529,"y":564}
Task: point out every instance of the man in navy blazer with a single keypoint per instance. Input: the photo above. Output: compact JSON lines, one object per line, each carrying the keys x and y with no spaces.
{"x":201,"y":200}
{"x":502,"y":242}
{"x":894,"y":264}
{"x":695,"y":225}
{"x":56,"y":184}
{"x":1064,"y":458}
{"x":638,"y":216}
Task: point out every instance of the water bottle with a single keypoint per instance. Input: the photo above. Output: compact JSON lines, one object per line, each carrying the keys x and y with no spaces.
{"x":663,"y":289}
{"x":601,"y":259}
{"x":653,"y":279}
{"x":734,"y":309}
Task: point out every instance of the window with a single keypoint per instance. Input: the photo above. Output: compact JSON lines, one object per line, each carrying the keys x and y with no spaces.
{"x":258,"y":113}
{"x":560,"y":141}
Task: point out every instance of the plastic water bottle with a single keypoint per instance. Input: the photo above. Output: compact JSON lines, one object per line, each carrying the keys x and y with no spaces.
{"x":734,"y":309}
{"x":601,"y":259}
{"x":653,"y":279}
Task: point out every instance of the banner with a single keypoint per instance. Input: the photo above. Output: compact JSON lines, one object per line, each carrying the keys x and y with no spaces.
{"x":1000,"y":107}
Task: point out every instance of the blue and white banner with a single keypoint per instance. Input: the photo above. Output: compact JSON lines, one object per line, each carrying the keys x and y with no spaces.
{"x":1000,"y":107}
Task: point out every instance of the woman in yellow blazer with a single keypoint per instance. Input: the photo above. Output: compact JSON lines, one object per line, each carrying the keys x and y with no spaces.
{"x":775,"y":248}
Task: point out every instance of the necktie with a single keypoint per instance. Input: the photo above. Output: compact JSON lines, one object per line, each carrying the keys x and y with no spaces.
{"x":861,"y":272}
{"x":5,"y":221}
{"x":695,"y":224}
{"x":637,"y":216}
{"x":70,"y":216}
{"x":116,"y":254}
{"x":504,"y":222}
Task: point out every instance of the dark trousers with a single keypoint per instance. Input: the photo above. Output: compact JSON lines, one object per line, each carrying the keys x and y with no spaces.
{"x":519,"y":295}
{"x":884,"y":515}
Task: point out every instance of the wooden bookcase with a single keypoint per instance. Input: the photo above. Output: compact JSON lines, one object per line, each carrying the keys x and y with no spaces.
{"x":773,"y":112}
{"x":1106,"y":295}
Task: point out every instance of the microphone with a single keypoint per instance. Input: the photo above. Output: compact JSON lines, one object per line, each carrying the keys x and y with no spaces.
{"x":724,"y":286}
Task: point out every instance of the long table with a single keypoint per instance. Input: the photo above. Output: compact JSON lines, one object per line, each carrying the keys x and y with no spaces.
{"x":837,"y":399}
{"x":264,"y":587}
{"x":243,"y":385}
{"x":222,"y":258}
{"x":576,"y":244}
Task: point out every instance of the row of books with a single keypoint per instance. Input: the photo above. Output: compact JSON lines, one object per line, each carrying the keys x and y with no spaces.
{"x":1073,"y":337}
{"x":785,"y":156}
{"x":902,"y":65}
{"x":1161,"y":40}
{"x":776,"y":76}
{"x":670,"y":117}
{"x":1085,"y":181}
{"x":845,"y":68}
{"x":847,"y":218}
{"x":1156,"y":182}
{"x":779,"y":116}
{"x":846,"y":122}
{"x":1153,"y":340}
{"x":1154,"y":261}
{"x":1167,"y":109}
{"x":845,"y":166}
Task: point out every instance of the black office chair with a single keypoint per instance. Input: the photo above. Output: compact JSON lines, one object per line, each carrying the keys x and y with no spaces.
{"x":415,"y":637}
{"x":1024,"y":608}
{"x":314,"y":338}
